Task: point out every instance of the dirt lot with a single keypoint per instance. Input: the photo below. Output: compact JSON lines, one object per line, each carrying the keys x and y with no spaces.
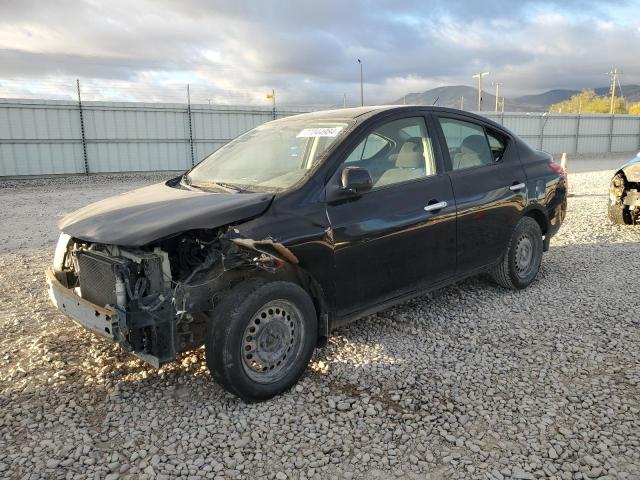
{"x":472,"y":381}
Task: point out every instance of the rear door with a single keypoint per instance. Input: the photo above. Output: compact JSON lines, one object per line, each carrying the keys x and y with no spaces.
{"x":400,"y":235}
{"x":489,"y":185}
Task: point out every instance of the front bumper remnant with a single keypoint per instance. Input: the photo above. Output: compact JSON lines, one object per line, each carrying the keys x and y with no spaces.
{"x":103,"y":321}
{"x":100,"y":320}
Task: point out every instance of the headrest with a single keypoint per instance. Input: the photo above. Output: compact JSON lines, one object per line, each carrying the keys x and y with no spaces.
{"x":411,"y":154}
{"x":476,"y":144}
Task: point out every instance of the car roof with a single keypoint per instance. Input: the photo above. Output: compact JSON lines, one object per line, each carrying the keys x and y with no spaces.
{"x":361,"y":113}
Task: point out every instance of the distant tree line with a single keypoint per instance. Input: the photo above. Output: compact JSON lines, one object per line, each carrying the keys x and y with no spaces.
{"x":588,"y":102}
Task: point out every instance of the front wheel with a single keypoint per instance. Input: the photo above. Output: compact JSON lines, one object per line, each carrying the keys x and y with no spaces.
{"x":521,"y":262}
{"x":617,"y":214}
{"x":616,"y":211}
{"x":260,"y":338}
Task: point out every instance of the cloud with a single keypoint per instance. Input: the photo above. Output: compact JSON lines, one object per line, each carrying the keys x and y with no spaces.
{"x":236,"y":51}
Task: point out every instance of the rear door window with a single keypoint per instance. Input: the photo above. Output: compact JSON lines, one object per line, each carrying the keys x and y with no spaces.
{"x":467,"y":144}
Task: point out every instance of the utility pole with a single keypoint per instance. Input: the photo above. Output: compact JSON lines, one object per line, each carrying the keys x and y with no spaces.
{"x":344,"y":100}
{"x":497,"y":84}
{"x":361,"y":85}
{"x":479,"y":77}
{"x":614,"y":78}
{"x":502,"y":103}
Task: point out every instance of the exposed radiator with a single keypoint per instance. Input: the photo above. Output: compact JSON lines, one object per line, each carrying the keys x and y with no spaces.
{"x":97,"y":277}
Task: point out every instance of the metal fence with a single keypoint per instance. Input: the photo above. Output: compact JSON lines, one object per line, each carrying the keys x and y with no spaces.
{"x":571,"y":133}
{"x":39,"y":137}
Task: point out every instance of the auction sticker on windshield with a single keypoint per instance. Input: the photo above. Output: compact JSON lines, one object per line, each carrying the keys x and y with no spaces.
{"x":319,"y":132}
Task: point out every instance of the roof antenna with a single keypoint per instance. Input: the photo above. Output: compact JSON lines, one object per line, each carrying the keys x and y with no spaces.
{"x":435,"y":101}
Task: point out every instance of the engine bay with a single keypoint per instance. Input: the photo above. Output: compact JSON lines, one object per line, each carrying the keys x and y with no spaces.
{"x":161,"y":293}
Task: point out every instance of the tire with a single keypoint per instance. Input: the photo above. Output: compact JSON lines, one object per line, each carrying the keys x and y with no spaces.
{"x":521,"y":261}
{"x":617,"y":214}
{"x":260,"y":338}
{"x":615,"y":208}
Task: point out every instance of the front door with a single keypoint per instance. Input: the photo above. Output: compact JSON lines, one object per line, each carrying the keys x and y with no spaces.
{"x":400,"y":235}
{"x":489,"y":185}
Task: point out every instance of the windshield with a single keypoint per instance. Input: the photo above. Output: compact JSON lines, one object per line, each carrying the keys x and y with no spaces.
{"x":269,"y":158}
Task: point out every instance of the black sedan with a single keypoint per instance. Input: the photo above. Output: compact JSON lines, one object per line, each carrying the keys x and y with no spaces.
{"x":301,"y":225}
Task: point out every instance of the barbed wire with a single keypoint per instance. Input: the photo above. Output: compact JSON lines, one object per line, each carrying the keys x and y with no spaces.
{"x":130,"y":91}
{"x":97,"y":90}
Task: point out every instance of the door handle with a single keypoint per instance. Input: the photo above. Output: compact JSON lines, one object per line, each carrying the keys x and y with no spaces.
{"x":435,"y":206}
{"x":517,"y":186}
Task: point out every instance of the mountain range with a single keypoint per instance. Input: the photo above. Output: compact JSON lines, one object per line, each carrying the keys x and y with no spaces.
{"x":451,"y":96}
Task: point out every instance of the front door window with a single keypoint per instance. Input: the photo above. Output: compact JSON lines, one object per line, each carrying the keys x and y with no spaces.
{"x":396,"y":152}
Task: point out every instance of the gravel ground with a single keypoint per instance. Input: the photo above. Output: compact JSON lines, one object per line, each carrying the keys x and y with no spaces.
{"x":472,"y":381}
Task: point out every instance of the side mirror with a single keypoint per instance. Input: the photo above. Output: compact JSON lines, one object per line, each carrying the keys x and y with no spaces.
{"x":356,"y":180}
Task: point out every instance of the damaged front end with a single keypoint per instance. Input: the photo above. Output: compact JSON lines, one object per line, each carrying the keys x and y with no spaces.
{"x":624,"y":200}
{"x":154,"y":300}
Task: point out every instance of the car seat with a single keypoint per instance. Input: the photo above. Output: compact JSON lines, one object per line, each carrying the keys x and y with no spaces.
{"x":474,"y":152}
{"x":409,"y":164}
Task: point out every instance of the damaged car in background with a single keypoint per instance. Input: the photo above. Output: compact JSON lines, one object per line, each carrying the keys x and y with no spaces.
{"x":624,"y":194}
{"x":299,"y":226}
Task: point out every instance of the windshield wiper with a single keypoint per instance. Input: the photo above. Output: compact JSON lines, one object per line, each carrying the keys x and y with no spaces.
{"x":229,"y":187}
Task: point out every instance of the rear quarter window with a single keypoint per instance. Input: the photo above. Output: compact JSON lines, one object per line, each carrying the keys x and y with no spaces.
{"x":497,"y":143}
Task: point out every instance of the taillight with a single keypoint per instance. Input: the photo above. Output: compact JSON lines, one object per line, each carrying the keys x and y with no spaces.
{"x":556,"y":168}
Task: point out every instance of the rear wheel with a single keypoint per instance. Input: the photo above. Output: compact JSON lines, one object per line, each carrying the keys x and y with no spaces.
{"x":522,"y":259}
{"x":260,"y":338}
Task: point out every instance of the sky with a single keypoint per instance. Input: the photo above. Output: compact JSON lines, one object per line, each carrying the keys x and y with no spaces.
{"x":236,"y":51}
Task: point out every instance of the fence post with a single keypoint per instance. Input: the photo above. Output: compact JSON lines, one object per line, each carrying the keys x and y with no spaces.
{"x":84,"y":139}
{"x":611,"y":133}
{"x":190,"y":125}
{"x":543,"y":122}
{"x":577,"y":133}
{"x":273,"y":97}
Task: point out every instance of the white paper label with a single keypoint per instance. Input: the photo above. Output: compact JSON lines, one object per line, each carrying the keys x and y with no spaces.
{"x":320,"y":132}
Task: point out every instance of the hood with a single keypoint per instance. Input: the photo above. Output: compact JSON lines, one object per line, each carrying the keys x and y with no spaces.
{"x":631,"y":169}
{"x":141,"y":216}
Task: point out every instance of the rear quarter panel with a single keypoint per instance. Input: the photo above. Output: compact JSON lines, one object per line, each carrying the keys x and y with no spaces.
{"x":546,"y":189}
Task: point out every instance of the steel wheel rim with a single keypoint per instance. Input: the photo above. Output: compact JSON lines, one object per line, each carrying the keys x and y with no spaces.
{"x":524,"y":255}
{"x":272,"y":341}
